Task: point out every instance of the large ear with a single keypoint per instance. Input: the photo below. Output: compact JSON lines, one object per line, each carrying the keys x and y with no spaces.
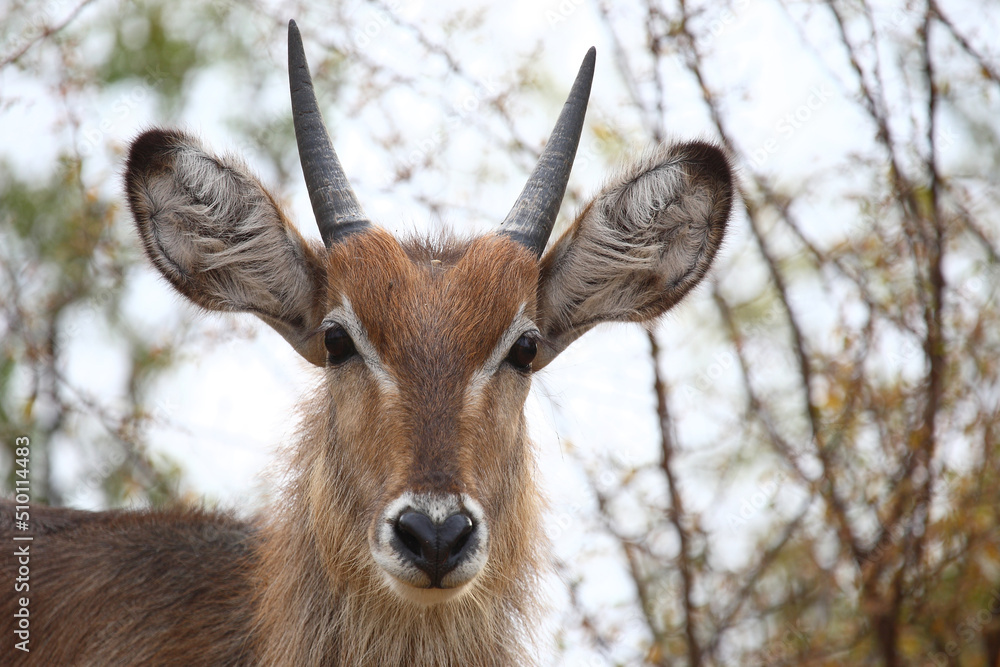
{"x":219,"y":237}
{"x":639,"y":246}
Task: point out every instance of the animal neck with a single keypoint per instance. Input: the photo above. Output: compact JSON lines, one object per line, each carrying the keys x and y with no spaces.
{"x":321,"y":598}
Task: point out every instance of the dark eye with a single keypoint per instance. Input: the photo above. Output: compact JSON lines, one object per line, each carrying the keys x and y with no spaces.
{"x":523,"y":352}
{"x":339,"y":346}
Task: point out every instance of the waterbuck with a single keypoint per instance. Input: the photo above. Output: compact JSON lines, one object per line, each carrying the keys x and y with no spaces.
{"x":411,"y":530}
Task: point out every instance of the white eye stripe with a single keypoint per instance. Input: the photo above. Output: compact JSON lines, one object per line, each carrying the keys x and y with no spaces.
{"x":520,"y":326}
{"x":344,"y":316}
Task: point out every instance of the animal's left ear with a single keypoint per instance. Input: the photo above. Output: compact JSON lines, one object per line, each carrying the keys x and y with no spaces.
{"x":638,"y":247}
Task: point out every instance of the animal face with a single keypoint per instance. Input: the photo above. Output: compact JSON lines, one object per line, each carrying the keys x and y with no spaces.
{"x":417,"y":465}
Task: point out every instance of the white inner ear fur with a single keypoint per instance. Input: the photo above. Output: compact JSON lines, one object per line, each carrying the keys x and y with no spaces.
{"x":219,"y":237}
{"x":212,"y":215}
{"x":640,"y":245}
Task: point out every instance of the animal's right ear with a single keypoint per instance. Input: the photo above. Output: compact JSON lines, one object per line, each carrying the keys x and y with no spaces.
{"x":219,"y":237}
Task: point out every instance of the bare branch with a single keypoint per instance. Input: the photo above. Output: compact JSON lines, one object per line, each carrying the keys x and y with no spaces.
{"x":46,"y":32}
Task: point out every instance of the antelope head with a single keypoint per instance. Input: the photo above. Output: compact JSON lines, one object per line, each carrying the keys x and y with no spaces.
{"x":415,"y":470}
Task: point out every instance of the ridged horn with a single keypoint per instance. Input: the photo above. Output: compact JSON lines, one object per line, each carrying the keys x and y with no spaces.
{"x":530,"y":221}
{"x":337,"y":210}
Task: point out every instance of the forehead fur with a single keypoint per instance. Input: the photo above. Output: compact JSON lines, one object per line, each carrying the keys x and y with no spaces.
{"x":429,"y":300}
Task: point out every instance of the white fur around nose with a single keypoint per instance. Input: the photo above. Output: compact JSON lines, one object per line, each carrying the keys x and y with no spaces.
{"x":408,"y":580}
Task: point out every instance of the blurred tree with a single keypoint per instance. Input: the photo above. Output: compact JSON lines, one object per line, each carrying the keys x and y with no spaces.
{"x":887,"y":433}
{"x":822,"y":486}
{"x":66,"y":250}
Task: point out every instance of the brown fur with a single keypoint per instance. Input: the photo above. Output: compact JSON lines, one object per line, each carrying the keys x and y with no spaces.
{"x":130,"y":588}
{"x":425,"y":409}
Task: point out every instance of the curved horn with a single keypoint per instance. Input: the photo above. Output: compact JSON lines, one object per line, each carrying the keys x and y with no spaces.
{"x":530,"y":221}
{"x":337,"y":210}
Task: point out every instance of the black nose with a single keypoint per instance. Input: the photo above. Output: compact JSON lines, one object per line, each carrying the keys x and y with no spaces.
{"x":435,"y":548}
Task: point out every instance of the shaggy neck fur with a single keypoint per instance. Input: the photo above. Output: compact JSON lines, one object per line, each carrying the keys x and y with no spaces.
{"x":321,"y":599}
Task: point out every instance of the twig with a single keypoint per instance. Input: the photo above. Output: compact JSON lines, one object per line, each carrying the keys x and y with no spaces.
{"x":46,"y":32}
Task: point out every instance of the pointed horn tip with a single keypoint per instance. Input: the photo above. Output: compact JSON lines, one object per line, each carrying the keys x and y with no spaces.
{"x":530,"y":221}
{"x":297,"y":57}
{"x":588,"y":65}
{"x":294,"y":36}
